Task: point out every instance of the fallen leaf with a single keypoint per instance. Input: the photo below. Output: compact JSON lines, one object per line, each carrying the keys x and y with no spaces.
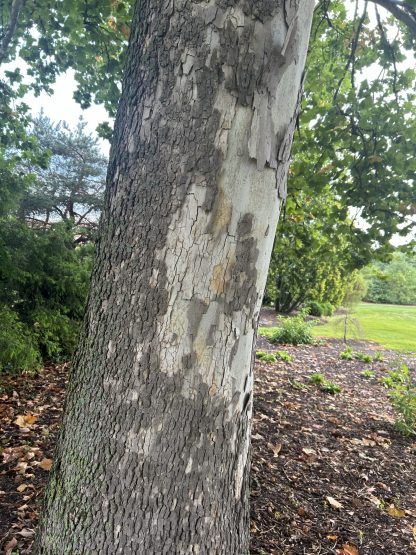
{"x":26,"y":533}
{"x":395,"y":512}
{"x":332,"y":537}
{"x":308,"y":451}
{"x":334,"y":503}
{"x":347,"y":550}
{"x":8,"y":548}
{"x":22,"y":487}
{"x":21,"y":467}
{"x":275,"y":448}
{"x":46,"y":464}
{"x":24,"y":420}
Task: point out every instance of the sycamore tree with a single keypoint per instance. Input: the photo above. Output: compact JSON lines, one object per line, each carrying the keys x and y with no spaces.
{"x":154,"y":451}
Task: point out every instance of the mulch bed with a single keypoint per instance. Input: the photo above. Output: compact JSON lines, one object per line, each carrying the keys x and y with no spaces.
{"x":330,"y":473}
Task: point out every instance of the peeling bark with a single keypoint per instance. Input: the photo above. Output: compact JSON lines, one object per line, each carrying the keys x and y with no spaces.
{"x":153,"y":457}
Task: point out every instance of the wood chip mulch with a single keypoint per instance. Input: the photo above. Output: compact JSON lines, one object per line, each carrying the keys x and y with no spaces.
{"x":330,"y":473}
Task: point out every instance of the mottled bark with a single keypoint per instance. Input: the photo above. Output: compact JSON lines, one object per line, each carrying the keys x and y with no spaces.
{"x":154,"y":453}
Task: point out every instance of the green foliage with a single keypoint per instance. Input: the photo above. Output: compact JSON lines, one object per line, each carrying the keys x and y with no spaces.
{"x":274,"y":357}
{"x":317,"y":379}
{"x":311,"y":257}
{"x":320,"y":309}
{"x":18,"y":349}
{"x":283,"y":355}
{"x":394,"y":377}
{"x":266,"y":357}
{"x":368,"y":374}
{"x":351,"y":183}
{"x":330,"y":387}
{"x":325,"y":385}
{"x":378,"y":357}
{"x":293,"y":330}
{"x":45,"y":247}
{"x":363,"y":357}
{"x":393,"y":282}
{"x":347,"y":354}
{"x":402,"y":394}
{"x":88,"y":36}
{"x":43,"y":286}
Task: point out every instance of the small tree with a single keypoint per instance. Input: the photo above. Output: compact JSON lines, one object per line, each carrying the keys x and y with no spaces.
{"x":354,"y":292}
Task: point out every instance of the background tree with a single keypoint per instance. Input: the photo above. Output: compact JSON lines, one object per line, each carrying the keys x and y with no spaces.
{"x":354,"y":152}
{"x":392,"y":282}
{"x":314,"y":253}
{"x":43,"y":275}
{"x":71,"y":187}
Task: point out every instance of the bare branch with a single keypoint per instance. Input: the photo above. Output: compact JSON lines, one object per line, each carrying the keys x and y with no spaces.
{"x":401,"y":11}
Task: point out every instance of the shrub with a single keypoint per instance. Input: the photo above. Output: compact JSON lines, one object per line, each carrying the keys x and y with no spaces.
{"x":402,"y":396}
{"x":44,"y":278}
{"x":18,"y":350}
{"x":316,"y":308}
{"x":294,"y":330}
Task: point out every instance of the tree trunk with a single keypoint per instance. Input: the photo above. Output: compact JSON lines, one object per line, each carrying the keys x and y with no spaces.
{"x":153,"y":457}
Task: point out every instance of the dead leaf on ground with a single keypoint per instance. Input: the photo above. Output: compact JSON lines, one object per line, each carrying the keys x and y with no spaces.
{"x":275,"y":448}
{"x":22,"y":487}
{"x":410,"y":512}
{"x":25,"y":420}
{"x":395,"y":512}
{"x":347,"y":550}
{"x":334,"y":503}
{"x":46,"y":464}
{"x":309,"y":452}
{"x":8,"y":548}
{"x":26,"y":533}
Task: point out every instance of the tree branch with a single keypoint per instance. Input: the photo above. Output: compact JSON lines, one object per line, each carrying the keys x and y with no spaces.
{"x":401,"y":11}
{"x":17,"y":5}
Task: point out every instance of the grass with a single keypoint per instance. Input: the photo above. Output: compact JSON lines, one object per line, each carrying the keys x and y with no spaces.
{"x":392,"y":326}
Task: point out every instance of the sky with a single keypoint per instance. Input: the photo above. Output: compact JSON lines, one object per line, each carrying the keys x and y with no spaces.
{"x":62,"y":107}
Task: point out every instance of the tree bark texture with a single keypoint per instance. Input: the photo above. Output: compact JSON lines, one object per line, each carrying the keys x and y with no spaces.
{"x":153,"y":457}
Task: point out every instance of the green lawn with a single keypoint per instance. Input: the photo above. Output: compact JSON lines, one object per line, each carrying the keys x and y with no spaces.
{"x":392,"y":326}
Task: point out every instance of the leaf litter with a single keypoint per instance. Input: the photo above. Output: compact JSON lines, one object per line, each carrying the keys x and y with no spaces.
{"x":330,"y":473}
{"x":343,"y":482}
